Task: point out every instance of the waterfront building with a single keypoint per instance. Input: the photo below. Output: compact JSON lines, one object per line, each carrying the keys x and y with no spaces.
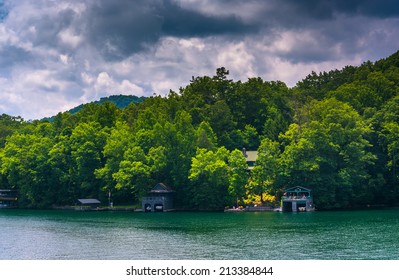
{"x":297,"y":199}
{"x":89,"y":202}
{"x":159,"y":199}
{"x":8,"y":198}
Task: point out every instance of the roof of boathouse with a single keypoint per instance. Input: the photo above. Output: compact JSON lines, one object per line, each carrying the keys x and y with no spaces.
{"x":161,"y":188}
{"x":88,"y":201}
{"x":298,"y":189}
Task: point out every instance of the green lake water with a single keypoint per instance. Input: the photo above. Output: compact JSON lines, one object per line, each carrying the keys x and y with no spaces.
{"x":59,"y":235}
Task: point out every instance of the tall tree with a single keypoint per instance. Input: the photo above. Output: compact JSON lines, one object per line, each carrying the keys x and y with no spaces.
{"x":238,"y":177}
{"x":119,"y":140}
{"x":134,"y":172}
{"x":87,"y":143}
{"x":266,"y":169}
{"x":206,"y":138}
{"x":209,"y":179}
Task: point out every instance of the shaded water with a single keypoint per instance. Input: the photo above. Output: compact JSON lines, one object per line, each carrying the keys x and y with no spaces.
{"x":28,"y":234}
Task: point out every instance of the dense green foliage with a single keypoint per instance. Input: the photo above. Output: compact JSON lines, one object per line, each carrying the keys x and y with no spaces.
{"x":336,"y":133}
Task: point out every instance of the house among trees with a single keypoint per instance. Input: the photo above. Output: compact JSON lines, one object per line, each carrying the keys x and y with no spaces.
{"x":159,"y":199}
{"x":250,"y":157}
{"x":8,"y":198}
{"x":297,"y":199}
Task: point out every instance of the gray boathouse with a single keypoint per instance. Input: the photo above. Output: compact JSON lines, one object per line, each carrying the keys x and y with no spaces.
{"x":91,"y":203}
{"x":297,"y":199}
{"x":159,"y":199}
{"x":8,"y":198}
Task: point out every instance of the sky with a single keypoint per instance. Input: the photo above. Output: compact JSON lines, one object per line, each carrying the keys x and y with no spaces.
{"x":57,"y":54}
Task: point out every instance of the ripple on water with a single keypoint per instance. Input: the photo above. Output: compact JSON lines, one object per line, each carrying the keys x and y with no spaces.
{"x":104,"y":235}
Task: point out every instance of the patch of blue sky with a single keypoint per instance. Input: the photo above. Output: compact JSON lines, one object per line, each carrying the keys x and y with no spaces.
{"x":3,"y":11}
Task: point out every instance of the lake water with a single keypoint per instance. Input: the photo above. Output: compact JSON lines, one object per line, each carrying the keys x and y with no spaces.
{"x":59,"y":235}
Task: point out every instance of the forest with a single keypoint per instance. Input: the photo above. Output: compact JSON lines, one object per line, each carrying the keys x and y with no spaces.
{"x":335,"y":132}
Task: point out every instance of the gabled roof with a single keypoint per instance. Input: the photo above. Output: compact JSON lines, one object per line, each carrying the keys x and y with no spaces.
{"x":161,"y":188}
{"x":298,"y":189}
{"x":89,"y":201}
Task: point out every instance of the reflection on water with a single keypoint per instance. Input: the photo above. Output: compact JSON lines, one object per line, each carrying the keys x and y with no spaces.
{"x":370,"y":234}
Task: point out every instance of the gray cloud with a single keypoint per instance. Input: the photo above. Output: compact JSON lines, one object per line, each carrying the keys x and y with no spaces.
{"x":130,"y":26}
{"x":57,"y":54}
{"x":11,"y":56}
{"x":325,"y":9}
{"x":49,"y":26}
{"x":187,"y":23}
{"x":119,"y":30}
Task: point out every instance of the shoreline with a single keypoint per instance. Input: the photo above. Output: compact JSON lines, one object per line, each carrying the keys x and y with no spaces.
{"x":231,"y":210}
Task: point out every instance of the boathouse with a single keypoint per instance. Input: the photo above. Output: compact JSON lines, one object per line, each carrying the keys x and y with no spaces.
{"x":159,"y":199}
{"x":297,"y":199}
{"x":8,"y":198}
{"x":89,"y":202}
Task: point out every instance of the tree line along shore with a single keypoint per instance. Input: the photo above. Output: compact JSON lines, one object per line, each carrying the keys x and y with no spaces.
{"x":336,"y":133}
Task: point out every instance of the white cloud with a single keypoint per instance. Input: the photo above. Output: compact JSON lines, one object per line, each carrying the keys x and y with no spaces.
{"x":68,"y":37}
{"x":35,"y":93}
{"x":64,"y":58}
{"x":6,"y":36}
{"x":87,"y":78}
{"x":191,"y":43}
{"x":162,"y":87}
{"x":50,"y":59}
{"x":105,"y":84}
{"x":237,"y":58}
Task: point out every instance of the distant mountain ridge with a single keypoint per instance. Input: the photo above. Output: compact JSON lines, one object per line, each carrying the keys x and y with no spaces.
{"x":121,"y":101}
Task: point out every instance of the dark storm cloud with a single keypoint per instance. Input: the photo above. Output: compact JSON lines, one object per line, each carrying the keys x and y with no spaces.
{"x":326,"y":30}
{"x":186,"y":23}
{"x":121,"y":28}
{"x":381,"y":9}
{"x":325,"y":9}
{"x":56,"y":54}
{"x":125,"y":27}
{"x":49,"y":26}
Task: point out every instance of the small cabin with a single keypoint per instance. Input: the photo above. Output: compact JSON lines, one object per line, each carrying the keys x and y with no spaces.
{"x":89,"y":202}
{"x":8,"y":198}
{"x":297,"y":199}
{"x":159,"y":199}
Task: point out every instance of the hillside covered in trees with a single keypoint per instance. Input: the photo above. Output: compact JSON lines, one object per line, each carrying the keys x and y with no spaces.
{"x":335,"y":132}
{"x":120,"y":101}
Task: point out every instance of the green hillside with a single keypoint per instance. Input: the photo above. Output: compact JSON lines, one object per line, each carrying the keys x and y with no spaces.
{"x":335,"y":132}
{"x":121,"y":101}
